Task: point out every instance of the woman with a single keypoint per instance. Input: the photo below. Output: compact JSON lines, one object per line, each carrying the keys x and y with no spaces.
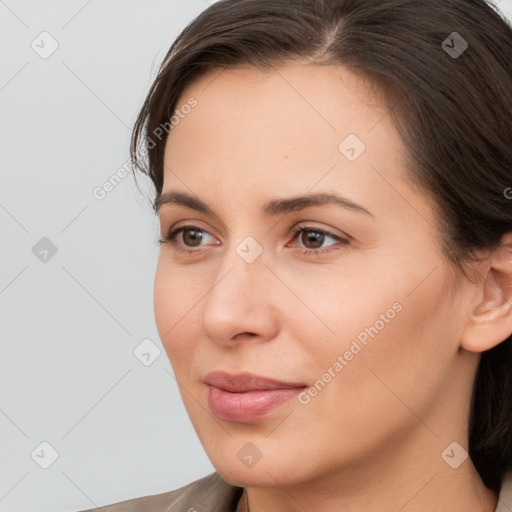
{"x":334,"y":289}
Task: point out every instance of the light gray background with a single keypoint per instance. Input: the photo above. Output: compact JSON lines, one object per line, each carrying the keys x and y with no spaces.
{"x":70,"y":324}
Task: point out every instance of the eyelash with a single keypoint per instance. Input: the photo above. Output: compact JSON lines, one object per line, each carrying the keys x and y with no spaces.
{"x":170,"y":238}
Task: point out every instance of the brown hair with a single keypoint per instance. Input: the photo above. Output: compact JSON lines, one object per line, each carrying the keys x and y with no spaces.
{"x":444,"y":69}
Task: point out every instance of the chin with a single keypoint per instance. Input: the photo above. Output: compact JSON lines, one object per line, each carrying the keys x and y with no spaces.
{"x":252,"y":477}
{"x":269,"y":471}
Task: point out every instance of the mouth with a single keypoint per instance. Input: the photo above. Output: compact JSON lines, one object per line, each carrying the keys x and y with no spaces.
{"x":247,"y":397}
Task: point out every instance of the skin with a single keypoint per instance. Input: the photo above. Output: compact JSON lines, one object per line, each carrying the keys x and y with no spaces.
{"x":372,"y":438}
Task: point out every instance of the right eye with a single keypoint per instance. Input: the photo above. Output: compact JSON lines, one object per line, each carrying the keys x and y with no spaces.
{"x":188,"y":234}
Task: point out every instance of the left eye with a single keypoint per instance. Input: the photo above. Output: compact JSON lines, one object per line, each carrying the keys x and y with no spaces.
{"x":194,"y":235}
{"x":317,"y":237}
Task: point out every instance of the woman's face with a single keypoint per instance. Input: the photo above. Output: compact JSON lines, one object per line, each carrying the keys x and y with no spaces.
{"x":360,"y":322}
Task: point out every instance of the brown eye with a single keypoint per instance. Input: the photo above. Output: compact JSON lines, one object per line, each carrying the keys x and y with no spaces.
{"x":313,"y":238}
{"x":192,"y":237}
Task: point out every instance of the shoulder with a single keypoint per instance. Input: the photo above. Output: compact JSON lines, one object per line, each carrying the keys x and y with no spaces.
{"x":505,"y":495}
{"x":211,"y":493}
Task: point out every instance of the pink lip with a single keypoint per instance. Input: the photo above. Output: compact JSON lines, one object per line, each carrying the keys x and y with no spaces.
{"x":246,"y":397}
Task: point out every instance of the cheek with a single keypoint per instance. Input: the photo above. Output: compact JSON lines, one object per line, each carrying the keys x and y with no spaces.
{"x":173,"y":306}
{"x":392,"y":343}
{"x":162,"y":300}
{"x":337,"y":306}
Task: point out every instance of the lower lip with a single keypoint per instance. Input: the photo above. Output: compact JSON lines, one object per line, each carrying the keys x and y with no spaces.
{"x":248,"y":406}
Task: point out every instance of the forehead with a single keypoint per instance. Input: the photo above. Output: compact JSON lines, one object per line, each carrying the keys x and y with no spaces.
{"x":255,"y":131}
{"x":291,"y":109}
{"x":282,"y":95}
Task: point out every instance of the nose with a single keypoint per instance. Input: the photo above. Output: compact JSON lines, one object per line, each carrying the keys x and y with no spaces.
{"x":240,"y":305}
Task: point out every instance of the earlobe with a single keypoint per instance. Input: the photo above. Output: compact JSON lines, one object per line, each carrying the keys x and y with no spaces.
{"x":490,"y":322}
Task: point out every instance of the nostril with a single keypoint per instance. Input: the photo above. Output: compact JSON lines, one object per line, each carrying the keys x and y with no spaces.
{"x":244,"y":334}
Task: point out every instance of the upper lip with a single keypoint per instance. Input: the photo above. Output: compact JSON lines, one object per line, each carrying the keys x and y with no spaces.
{"x":246,"y":382}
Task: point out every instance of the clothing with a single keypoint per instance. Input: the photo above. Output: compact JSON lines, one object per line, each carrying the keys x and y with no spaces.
{"x":208,"y":494}
{"x":213,"y":494}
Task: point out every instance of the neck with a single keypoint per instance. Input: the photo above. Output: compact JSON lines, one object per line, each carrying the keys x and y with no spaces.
{"x":416,"y":480}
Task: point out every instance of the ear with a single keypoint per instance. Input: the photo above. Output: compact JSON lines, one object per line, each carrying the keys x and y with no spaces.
{"x":491,"y":320}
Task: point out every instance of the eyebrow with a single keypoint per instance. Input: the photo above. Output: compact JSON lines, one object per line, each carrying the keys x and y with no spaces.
{"x":270,"y":208}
